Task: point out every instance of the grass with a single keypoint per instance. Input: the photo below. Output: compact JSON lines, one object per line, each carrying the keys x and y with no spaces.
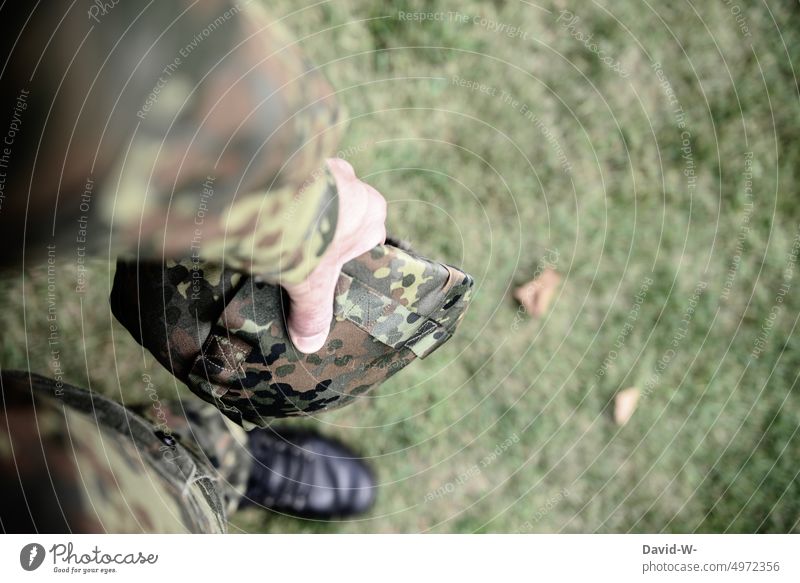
{"x":508,"y":428}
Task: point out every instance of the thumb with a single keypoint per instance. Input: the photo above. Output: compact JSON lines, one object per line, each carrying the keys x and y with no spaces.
{"x":311,"y":310}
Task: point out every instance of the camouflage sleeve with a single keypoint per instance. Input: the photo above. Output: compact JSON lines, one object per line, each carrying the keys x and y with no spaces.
{"x":83,"y":463}
{"x":195,"y":131}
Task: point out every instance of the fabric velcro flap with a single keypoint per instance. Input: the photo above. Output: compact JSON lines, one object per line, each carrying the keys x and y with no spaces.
{"x":385,"y":319}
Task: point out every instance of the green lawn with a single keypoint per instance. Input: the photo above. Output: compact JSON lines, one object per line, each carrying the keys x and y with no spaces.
{"x":657,"y":161}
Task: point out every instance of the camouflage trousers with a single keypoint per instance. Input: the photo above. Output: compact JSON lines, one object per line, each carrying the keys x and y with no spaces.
{"x":74,"y":461}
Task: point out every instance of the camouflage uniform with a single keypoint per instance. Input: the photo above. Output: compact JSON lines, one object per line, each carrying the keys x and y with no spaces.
{"x":74,"y":461}
{"x":179,"y":132}
{"x":176,"y":131}
{"x":201,"y":161}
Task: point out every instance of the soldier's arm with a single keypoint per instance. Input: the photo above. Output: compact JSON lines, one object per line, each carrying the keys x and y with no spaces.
{"x":227,"y":158}
{"x":269,"y":203}
{"x":165,"y":131}
{"x":175,"y":132}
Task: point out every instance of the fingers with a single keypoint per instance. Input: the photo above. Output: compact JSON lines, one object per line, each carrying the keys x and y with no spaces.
{"x":341,"y":169}
{"x":362,"y":223}
{"x":360,"y":227}
{"x":311,"y":309}
{"x":311,"y":302}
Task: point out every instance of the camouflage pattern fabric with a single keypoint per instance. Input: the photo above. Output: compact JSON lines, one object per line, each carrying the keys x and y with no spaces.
{"x":74,"y":461}
{"x":209,"y":436}
{"x":225,"y":335}
{"x":192,"y":130}
{"x":166,"y":131}
{"x":191,"y":136}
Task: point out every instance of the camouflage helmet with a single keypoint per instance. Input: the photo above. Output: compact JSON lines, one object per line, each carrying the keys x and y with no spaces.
{"x":224,"y":333}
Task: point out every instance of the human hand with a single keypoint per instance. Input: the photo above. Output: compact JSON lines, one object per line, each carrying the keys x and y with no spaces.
{"x":360,"y":227}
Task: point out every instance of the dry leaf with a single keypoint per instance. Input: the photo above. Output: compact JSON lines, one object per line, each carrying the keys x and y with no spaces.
{"x":536,"y":295}
{"x":625,"y":404}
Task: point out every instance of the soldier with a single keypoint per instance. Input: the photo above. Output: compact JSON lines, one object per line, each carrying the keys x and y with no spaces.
{"x":172,"y":131}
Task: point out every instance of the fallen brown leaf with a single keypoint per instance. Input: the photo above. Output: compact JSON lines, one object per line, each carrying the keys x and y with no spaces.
{"x":536,"y":295}
{"x":625,"y":404}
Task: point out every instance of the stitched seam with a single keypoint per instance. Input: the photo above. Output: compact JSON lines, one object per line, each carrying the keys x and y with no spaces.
{"x":378,"y":294}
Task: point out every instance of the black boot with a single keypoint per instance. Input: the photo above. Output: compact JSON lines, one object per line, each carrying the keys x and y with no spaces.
{"x":305,"y":474}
